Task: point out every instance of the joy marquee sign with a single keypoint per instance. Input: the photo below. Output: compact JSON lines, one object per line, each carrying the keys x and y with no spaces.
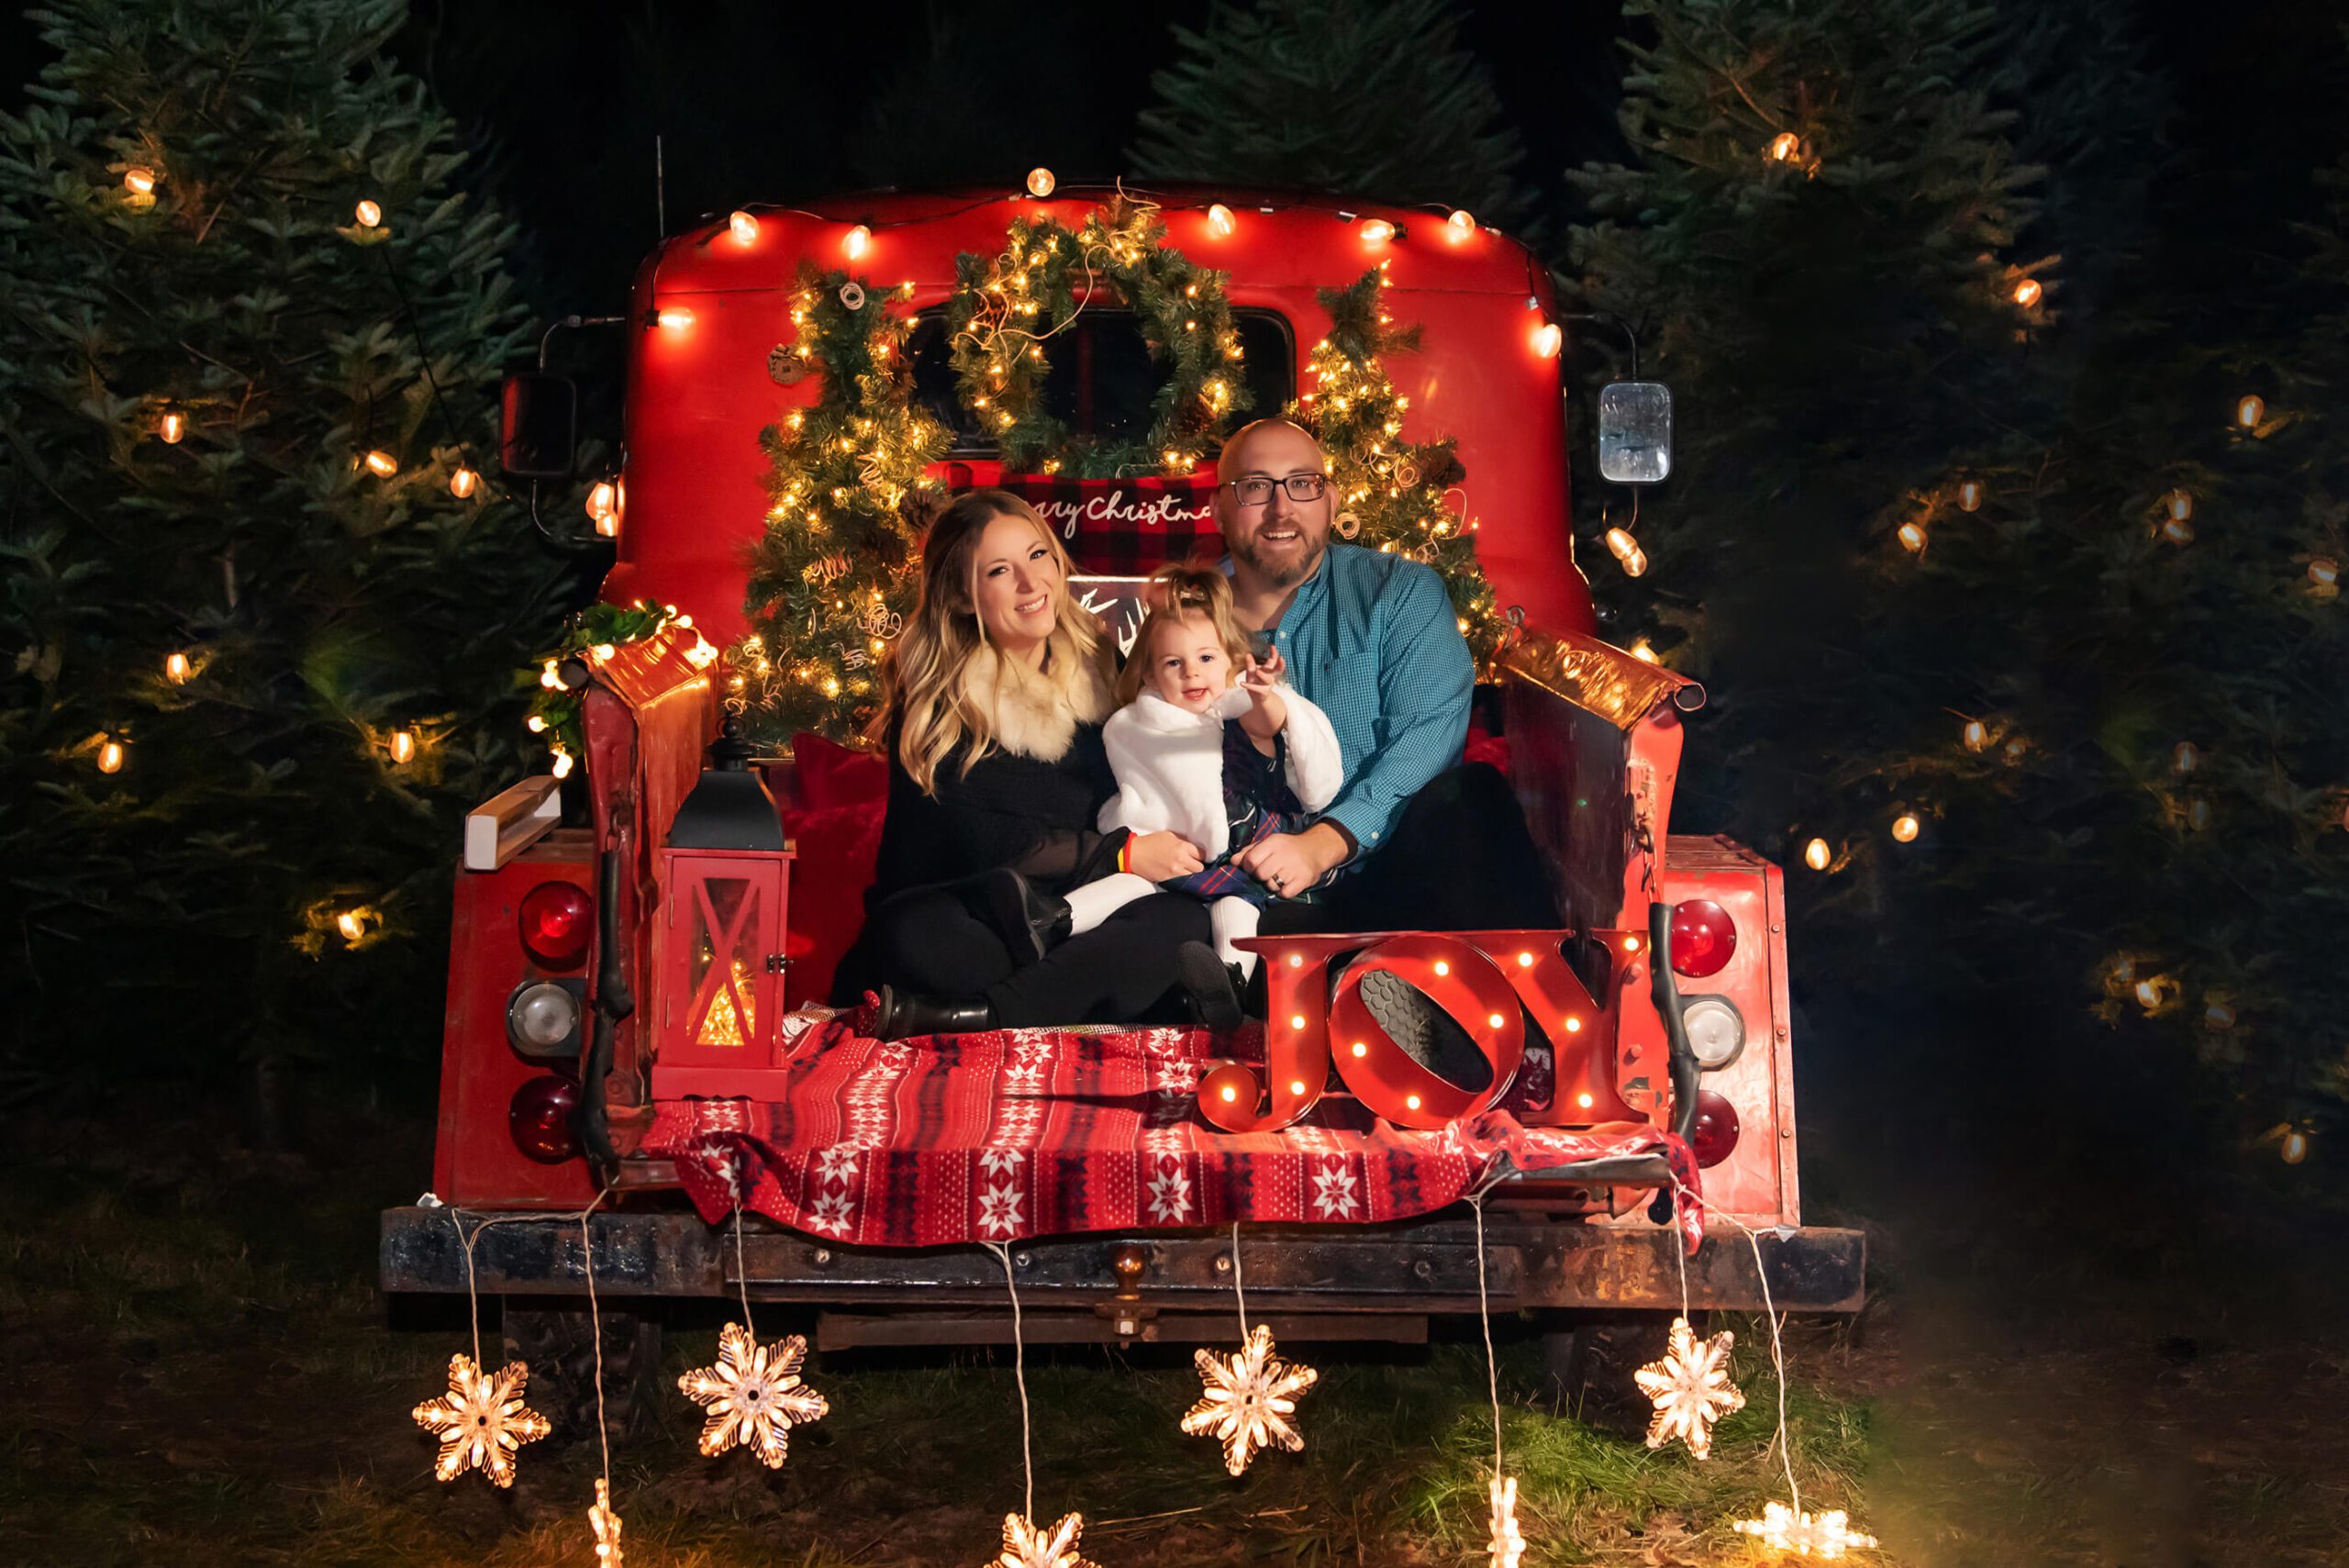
{"x":1489,"y":982}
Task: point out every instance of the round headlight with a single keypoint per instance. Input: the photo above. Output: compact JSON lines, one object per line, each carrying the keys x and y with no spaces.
{"x":542,"y":1018}
{"x":1716,"y":1032}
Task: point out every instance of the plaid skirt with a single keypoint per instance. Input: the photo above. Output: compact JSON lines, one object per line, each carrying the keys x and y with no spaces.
{"x":1223,"y":879}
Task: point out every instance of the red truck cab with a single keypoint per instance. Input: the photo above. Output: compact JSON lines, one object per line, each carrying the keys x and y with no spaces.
{"x":561,"y":1000}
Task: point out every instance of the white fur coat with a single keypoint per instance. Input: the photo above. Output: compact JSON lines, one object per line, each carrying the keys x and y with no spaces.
{"x":1169,"y":764}
{"x":1035,"y":713}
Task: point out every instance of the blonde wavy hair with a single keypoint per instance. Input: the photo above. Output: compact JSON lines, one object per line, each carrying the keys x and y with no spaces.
{"x":922,"y":678}
{"x":1177,"y":594}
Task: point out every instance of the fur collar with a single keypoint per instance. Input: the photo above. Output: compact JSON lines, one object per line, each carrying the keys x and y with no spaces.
{"x":1035,"y":713}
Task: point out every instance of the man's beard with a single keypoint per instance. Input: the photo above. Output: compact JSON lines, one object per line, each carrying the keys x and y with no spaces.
{"x":1285,"y":575}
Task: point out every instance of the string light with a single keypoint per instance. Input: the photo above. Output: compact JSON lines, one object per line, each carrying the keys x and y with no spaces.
{"x":2218,"y":1018}
{"x":380,"y":464}
{"x":1040,"y":182}
{"x":1905,"y":828}
{"x":1690,"y":1388}
{"x":481,"y":1420}
{"x":2325,"y":577}
{"x":352,"y":923}
{"x":561,"y":766}
{"x":744,"y":228}
{"x":2179,"y":504}
{"x":856,"y":241}
{"x":1643,"y":651}
{"x":171,"y":428}
{"x":1636,"y":563}
{"x":1786,"y":147}
{"x":1620,"y":544}
{"x":676,"y":317}
{"x":1817,"y":855}
{"x":464,"y":483}
{"x":753,"y":1396}
{"x":2184,"y":758}
{"x":1912,"y":535}
{"x":140,"y":181}
{"x":2249,"y":410}
{"x":402,"y":746}
{"x":368,"y":214}
{"x":1548,"y":338}
{"x":1976,"y":735}
{"x":2295,"y":1147}
{"x":535,"y":724}
{"x":176,"y":669}
{"x":603,"y":502}
{"x":1969,"y":496}
{"x":110,"y":755}
{"x":607,"y":1526}
{"x":1460,"y":225}
{"x":2027,"y":293}
{"x":2177,"y":530}
{"x":1827,"y":1536}
{"x":1220,"y":222}
{"x":1377,"y":231}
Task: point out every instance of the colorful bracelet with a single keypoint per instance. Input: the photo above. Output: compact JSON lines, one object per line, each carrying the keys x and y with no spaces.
{"x":1122,"y":851}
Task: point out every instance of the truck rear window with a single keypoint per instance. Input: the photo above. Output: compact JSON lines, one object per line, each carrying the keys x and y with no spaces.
{"x":1102,"y":379}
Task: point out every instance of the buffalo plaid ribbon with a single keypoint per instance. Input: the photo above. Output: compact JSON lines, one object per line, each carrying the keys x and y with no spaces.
{"x":1125,"y":528}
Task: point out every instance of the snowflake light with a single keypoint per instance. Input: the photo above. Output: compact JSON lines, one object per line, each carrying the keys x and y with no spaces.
{"x":1249,"y":1399}
{"x":1507,"y":1546}
{"x":607,"y":1526}
{"x":480,"y":1422}
{"x":1826,"y":1535}
{"x":1690,"y":1389}
{"x":753,"y":1396}
{"x":1026,"y":1546}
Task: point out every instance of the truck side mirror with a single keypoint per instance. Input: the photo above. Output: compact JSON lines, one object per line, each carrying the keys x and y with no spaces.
{"x":1634,"y":432}
{"x":538,"y":426}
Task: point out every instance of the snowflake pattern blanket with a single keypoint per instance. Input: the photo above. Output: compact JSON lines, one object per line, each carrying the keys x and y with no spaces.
{"x":1019,"y":1133}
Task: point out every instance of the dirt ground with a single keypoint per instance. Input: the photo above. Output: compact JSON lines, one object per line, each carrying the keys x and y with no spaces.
{"x":199,"y":1371}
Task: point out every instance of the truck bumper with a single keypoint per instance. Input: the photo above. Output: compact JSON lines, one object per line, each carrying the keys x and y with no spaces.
{"x":1411,"y":1267}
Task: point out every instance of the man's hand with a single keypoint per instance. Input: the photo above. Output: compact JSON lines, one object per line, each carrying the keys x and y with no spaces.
{"x":1157,"y":857}
{"x":1291,"y":863}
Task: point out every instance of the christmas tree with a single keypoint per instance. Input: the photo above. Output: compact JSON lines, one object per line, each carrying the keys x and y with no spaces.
{"x":1378,"y":102}
{"x":267,"y":607}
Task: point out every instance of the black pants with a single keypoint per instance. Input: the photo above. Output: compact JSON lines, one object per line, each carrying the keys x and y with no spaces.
{"x":929,"y":940}
{"x":1458,"y":858}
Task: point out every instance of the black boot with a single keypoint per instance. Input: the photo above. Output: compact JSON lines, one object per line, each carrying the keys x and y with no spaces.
{"x":903,"y":1013}
{"x":1208,"y":982}
{"x":1030,"y":922}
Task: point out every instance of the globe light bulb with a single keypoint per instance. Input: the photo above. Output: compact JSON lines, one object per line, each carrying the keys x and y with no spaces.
{"x":1460,"y":224}
{"x":1548,"y":338}
{"x":2180,"y":504}
{"x":1040,"y":182}
{"x":560,"y":767}
{"x":2295,"y":1147}
{"x":856,"y":241}
{"x":402,"y":746}
{"x":1636,"y":563}
{"x":139,"y":180}
{"x":2179,"y":531}
{"x":1377,"y":231}
{"x":2027,"y":293}
{"x":1905,"y":828}
{"x":2325,"y":577}
{"x":368,"y":214}
{"x":351,"y":925}
{"x":602,"y":500}
{"x":535,"y":724}
{"x":2184,"y":758}
{"x":2249,"y":410}
{"x":171,"y":428}
{"x":1220,"y":222}
{"x":1817,"y":855}
{"x":110,"y":756}
{"x":1975,"y":735}
{"x":464,"y":483}
{"x":2219,"y":1017}
{"x":380,"y":464}
{"x":1620,"y":544}
{"x":1912,"y":537}
{"x":1969,"y":496}
{"x":742,"y":225}
{"x":1786,"y":147}
{"x":176,"y":669}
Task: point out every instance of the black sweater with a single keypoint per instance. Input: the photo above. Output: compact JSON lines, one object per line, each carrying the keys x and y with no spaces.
{"x":1009,"y":810}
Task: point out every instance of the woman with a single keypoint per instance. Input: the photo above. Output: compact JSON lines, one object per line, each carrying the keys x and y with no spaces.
{"x":996,"y":691}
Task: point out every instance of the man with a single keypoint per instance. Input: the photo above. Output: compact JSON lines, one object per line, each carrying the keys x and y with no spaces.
{"x":1414,"y":840}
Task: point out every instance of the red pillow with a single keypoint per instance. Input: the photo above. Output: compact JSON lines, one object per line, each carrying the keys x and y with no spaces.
{"x":1483,"y":747}
{"x":831,"y":775}
{"x":837,"y":848}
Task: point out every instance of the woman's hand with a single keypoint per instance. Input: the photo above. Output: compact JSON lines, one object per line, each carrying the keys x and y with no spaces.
{"x":1158,"y":857}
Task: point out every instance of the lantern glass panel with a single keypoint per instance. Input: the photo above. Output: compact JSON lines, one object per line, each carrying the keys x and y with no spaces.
{"x":725,"y":958}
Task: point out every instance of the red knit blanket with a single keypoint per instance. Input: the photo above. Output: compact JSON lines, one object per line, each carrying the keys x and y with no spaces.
{"x":1021,"y":1134}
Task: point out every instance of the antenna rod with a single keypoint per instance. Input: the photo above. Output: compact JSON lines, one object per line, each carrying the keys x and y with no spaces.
{"x":659,"y":191}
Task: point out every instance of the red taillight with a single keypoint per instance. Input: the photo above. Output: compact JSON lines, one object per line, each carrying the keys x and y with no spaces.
{"x":557,"y":922}
{"x":1703,"y":937}
{"x":1715,"y":1133}
{"x":540,"y":1117}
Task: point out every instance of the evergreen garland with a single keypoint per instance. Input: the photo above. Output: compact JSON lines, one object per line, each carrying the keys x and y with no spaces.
{"x":1006,"y":306}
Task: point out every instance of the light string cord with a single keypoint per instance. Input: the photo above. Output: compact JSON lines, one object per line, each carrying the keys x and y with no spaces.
{"x":1238,"y":1291}
{"x":1019,"y":1376}
{"x":1770,"y":1316}
{"x":1484,"y":1316}
{"x":741,"y":1275}
{"x":596,"y":1333}
{"x":466,"y":1238}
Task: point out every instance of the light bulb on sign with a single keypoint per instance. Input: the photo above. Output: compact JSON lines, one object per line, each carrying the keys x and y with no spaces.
{"x":1817,"y":855}
{"x":1220,"y":223}
{"x":742,"y":225}
{"x":1459,"y":225}
{"x":856,"y":241}
{"x":676,"y":317}
{"x":176,"y":669}
{"x":110,"y":755}
{"x":2249,"y":410}
{"x":1905,"y":828}
{"x":1040,"y":182}
{"x":2027,"y":293}
{"x":368,"y":214}
{"x":1548,"y":338}
{"x":464,"y":483}
{"x":402,"y":746}
{"x":171,"y":428}
{"x":380,"y":464}
{"x":1786,"y":147}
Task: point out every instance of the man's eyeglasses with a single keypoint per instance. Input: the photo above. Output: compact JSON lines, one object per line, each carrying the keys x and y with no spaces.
{"x":1300,"y":487}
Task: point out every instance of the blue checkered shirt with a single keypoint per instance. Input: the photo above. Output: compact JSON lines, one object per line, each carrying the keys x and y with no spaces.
{"x":1373,"y":641}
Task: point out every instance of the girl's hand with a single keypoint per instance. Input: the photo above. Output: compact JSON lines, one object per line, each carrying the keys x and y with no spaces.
{"x":1268,"y":715}
{"x":1269,"y":669}
{"x":1159,"y":857}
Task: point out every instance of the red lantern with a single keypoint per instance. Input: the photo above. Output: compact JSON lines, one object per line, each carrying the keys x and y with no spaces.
{"x":718,"y":939}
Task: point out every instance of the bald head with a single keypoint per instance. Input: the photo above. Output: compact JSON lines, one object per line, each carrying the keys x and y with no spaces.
{"x":1240,"y":449}
{"x":1276,"y":542}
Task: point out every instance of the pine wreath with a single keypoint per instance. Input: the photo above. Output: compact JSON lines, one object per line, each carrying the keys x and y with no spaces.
{"x":1007,"y":306}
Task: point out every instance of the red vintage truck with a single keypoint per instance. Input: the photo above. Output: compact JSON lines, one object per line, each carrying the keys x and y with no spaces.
{"x":581,"y":1057}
